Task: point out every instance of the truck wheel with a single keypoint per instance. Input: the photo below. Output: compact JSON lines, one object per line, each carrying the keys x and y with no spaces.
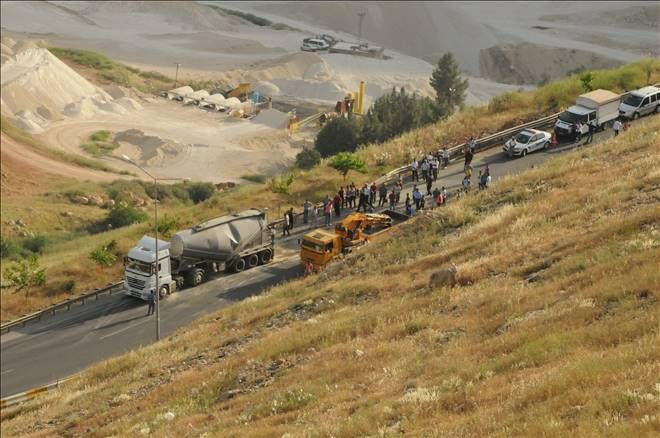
{"x":524,"y":153}
{"x":197,"y":277}
{"x":546,"y":145}
{"x":239,"y":265}
{"x":264,"y":256}
{"x":635,"y":116}
{"x":163,"y":292}
{"x":252,"y":261}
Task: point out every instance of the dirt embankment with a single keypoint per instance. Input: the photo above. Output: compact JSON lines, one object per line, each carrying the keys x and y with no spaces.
{"x":533,"y":64}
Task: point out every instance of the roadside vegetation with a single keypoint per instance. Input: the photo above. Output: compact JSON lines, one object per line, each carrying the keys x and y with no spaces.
{"x":551,"y":329}
{"x":65,"y":255}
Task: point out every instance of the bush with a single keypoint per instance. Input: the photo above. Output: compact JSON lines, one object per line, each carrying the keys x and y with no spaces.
{"x":68,"y":286}
{"x":166,"y":225}
{"x":308,"y":158}
{"x":344,"y":162}
{"x":100,"y":136}
{"x":35,"y":244}
{"x":123,"y":215}
{"x":103,"y":256}
{"x":120,"y":190}
{"x":9,"y":249}
{"x":339,"y":135}
{"x":282,"y":183}
{"x":200,"y":192}
{"x":257,"y":178}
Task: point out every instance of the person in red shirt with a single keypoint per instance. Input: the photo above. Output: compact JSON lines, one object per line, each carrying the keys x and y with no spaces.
{"x":336,"y":202}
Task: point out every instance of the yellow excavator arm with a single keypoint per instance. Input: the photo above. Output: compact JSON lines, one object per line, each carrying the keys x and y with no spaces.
{"x":353,"y":225}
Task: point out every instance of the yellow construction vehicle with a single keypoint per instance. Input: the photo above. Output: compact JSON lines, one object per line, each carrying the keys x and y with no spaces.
{"x":321,"y":246}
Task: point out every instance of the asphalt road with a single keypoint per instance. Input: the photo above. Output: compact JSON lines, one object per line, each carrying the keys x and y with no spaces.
{"x":63,"y":344}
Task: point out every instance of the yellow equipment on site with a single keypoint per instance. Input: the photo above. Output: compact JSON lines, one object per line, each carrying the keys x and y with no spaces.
{"x":321,"y":246}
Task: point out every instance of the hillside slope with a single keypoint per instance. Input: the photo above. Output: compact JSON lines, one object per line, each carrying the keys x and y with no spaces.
{"x":551,"y":330}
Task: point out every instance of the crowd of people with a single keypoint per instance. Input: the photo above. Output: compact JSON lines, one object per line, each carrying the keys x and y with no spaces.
{"x":369,"y":197}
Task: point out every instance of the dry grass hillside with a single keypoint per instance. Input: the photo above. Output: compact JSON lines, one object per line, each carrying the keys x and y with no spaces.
{"x":552,"y":329}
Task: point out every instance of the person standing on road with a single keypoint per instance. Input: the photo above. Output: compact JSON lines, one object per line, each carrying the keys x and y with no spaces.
{"x":397,"y":191}
{"x":578,"y":132}
{"x":468,"y":156}
{"x":315,"y":214}
{"x":350,"y":200}
{"x":290,"y":213}
{"x":417,"y":196}
{"x":435,"y":164}
{"x":429,"y":184}
{"x":373,"y":190}
{"x":616,"y":127}
{"x":414,"y":166}
{"x":445,"y":157}
{"x":590,"y":134}
{"x":327,"y":212}
{"x":408,"y":205}
{"x":342,"y":195}
{"x":152,"y":303}
{"x":306,"y":207}
{"x":466,"y":183}
{"x":286,"y":224}
{"x":336,"y":202}
{"x":425,"y":168}
{"x":382,"y":193}
{"x":392,"y":199}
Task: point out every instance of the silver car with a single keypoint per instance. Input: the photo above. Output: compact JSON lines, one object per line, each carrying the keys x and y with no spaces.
{"x":526,"y":141}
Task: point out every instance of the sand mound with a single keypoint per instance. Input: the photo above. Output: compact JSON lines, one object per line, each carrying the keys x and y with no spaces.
{"x":152,"y":150}
{"x":34,"y":82}
{"x":328,"y":91}
{"x":528,"y":63}
{"x":633,"y":17}
{"x":129,"y":104}
{"x":273,"y":118}
{"x":233,"y":103}
{"x":266,"y":88}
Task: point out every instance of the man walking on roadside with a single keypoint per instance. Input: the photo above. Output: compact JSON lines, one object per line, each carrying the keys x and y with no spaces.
{"x":445,"y":157}
{"x":435,"y":164}
{"x":417,"y":196}
{"x":590,"y":134}
{"x":336,"y":202}
{"x":152,"y":303}
{"x":306,"y":207}
{"x":429,"y":184}
{"x":616,"y":127}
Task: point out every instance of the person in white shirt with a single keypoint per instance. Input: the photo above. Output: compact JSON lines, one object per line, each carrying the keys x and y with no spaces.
{"x":425,"y":169}
{"x":415,"y":172}
{"x":434,"y":168}
{"x":616,"y":127}
{"x":445,"y":157}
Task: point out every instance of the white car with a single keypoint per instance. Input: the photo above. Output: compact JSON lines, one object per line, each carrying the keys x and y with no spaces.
{"x":526,"y":141}
{"x":314,"y":45}
{"x":640,"y":103}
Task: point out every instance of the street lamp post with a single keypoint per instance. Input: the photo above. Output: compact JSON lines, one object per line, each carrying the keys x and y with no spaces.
{"x":176,"y":75}
{"x":157,"y":264}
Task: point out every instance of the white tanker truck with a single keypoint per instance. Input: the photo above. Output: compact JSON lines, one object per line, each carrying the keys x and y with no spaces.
{"x":228,"y":243}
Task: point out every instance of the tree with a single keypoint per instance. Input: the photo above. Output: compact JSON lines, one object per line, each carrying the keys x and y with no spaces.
{"x":103,"y":256}
{"x":587,"y":79}
{"x":26,"y":274}
{"x":339,"y":135}
{"x":282,"y":183}
{"x":308,"y":158}
{"x":344,"y":162}
{"x":449,"y":85}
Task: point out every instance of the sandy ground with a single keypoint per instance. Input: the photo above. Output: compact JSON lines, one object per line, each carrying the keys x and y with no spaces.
{"x":202,"y":145}
{"x":427,"y":29}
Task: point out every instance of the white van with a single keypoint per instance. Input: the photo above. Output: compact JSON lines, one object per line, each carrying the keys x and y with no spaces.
{"x":640,"y":102}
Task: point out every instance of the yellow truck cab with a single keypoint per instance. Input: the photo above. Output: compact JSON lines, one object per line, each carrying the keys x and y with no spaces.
{"x":319,"y":247}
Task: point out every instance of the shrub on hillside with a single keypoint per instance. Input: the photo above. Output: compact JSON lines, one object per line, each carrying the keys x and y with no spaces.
{"x":338,"y":135}
{"x":9,"y":249}
{"x":200,"y":192}
{"x":124,"y":214}
{"x":35,"y":244}
{"x":308,"y":158}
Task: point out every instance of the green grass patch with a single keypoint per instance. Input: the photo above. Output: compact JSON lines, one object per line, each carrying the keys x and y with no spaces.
{"x":99,"y":144}
{"x":254,"y":19}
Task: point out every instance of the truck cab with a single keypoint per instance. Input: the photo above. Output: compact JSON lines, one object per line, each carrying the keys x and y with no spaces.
{"x":566,"y":124}
{"x":319,"y":247}
{"x":140,"y":269}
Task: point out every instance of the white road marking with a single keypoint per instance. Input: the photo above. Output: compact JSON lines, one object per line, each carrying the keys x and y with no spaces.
{"x":6,"y":371}
{"x":124,"y":329}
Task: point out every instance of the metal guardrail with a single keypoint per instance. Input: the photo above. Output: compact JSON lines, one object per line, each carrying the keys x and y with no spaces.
{"x":109,"y":289}
{"x":32,"y":393}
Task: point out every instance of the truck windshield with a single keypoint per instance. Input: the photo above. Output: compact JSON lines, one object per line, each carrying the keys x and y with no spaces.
{"x":312,"y":245}
{"x":570,"y":117}
{"x":138,"y":266}
{"x":633,"y":100}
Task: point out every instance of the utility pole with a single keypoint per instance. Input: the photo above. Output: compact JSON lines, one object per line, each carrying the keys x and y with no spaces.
{"x":360,"y":18}
{"x":176,"y":75}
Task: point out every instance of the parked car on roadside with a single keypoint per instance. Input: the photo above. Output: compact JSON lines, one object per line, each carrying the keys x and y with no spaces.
{"x":526,"y":141}
{"x":640,"y":103}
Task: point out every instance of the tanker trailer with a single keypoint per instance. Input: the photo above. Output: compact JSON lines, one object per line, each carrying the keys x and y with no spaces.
{"x":229,"y":243}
